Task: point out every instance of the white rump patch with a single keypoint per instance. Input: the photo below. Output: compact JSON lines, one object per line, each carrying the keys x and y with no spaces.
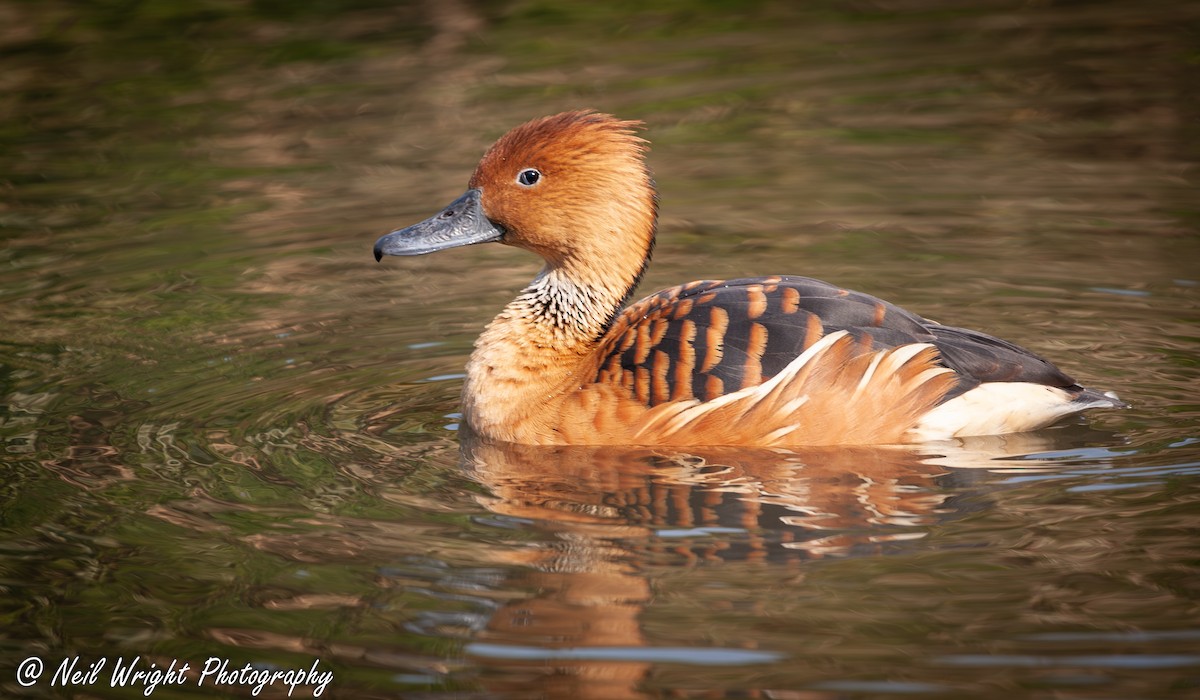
{"x":996,"y":408}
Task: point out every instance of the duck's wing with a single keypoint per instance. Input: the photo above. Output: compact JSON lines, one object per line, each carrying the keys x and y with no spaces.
{"x":710,"y":338}
{"x":979,"y":357}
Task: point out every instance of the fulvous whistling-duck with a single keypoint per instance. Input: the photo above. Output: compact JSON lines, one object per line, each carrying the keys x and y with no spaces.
{"x":761,"y":361}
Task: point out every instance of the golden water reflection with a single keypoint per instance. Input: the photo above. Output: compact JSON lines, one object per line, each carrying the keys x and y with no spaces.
{"x":619,"y":515}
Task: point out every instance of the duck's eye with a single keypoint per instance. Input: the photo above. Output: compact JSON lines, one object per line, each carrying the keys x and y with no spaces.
{"x":529,"y":177}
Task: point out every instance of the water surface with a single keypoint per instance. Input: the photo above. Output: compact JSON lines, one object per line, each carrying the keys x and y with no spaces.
{"x":229,"y":433}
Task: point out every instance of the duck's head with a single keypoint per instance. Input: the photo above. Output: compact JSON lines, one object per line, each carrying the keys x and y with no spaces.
{"x":573,"y":188}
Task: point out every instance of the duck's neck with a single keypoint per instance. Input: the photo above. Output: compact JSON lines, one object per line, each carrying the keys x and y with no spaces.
{"x":574,"y":306}
{"x":539,"y":346}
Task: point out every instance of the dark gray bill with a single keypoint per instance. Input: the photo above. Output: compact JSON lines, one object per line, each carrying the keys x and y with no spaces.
{"x":461,"y":223}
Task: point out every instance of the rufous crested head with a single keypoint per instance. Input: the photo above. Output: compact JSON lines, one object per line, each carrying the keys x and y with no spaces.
{"x":569,"y":186}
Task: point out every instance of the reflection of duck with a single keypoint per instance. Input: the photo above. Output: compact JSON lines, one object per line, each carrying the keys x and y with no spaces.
{"x":776,"y":504}
{"x":617,"y":514}
{"x":711,"y":503}
{"x":762,"y":361}
{"x":622,"y":519}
